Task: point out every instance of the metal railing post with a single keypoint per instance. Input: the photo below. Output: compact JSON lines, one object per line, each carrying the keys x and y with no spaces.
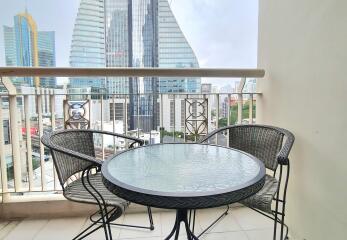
{"x":102,"y":126}
{"x":240,"y":100}
{"x":228,"y":117}
{"x":185,"y":118}
{"x":12,"y":92}
{"x":174,"y":117}
{"x":3,"y":164}
{"x":161,"y":128}
{"x":52,"y":110}
{"x":217,"y":116}
{"x":28,"y":142}
{"x":42,"y":152}
{"x":114,"y":122}
{"x":138,"y":115}
{"x":250,"y":109}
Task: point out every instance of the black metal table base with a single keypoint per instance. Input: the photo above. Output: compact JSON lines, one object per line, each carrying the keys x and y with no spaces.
{"x":181,"y":216}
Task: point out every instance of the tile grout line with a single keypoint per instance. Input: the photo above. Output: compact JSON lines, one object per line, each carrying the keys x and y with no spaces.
{"x":39,"y":230}
{"x":8,"y":222}
{"x":9,"y":230}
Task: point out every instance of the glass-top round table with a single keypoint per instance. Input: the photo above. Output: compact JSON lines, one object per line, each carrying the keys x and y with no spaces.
{"x":183,"y":176}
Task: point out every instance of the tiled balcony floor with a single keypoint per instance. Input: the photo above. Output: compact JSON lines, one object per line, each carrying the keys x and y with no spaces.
{"x":241,"y":224}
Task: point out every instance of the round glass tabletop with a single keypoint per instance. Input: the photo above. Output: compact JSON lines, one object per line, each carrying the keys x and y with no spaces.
{"x":182,"y":170}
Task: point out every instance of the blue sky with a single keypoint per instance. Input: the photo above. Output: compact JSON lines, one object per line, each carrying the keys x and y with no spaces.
{"x":223,"y":33}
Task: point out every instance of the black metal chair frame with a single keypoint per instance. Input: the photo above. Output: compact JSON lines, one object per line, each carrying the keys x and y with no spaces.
{"x":106,"y":216}
{"x":282,"y":157}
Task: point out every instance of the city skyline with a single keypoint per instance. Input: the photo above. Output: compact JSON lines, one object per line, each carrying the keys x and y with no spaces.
{"x":225,"y":40}
{"x":129,"y":33}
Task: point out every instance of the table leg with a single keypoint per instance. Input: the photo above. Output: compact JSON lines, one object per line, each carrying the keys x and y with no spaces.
{"x":181,"y":216}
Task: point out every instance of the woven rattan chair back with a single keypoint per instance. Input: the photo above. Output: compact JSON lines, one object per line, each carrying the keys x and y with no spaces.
{"x":78,"y":141}
{"x":260,"y":141}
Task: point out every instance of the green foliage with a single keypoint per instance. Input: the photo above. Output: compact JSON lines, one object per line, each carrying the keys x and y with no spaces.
{"x":10,"y":171}
{"x":233,"y":114}
{"x":222,"y":122}
{"x":178,"y":134}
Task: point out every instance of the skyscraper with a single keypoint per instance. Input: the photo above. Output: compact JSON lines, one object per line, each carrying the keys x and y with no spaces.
{"x":25,"y":46}
{"x":141,"y":33}
{"x":174,"y":52}
{"x":131,"y":42}
{"x":46,"y":52}
{"x":118,"y":45}
{"x":88,"y":43}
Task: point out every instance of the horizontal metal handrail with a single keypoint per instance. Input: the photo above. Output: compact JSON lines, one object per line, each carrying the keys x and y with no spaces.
{"x":4,"y":94}
{"x":132,"y":72}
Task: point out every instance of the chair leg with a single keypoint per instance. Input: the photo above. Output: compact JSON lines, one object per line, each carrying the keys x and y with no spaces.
{"x":151,"y":225}
{"x":284,"y":204}
{"x":108,"y":235}
{"x":211,"y":225}
{"x":275,"y":220}
{"x":150,"y":217}
{"x":86,"y":233}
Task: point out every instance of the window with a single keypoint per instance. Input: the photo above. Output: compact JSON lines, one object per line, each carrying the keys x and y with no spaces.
{"x":7,"y":139}
{"x":172,"y":113}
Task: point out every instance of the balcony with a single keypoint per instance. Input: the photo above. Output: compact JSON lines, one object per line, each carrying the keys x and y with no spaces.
{"x":29,"y":183}
{"x":302,"y":47}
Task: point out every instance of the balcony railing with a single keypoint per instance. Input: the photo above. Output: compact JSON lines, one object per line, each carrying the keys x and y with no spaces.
{"x":26,"y":113}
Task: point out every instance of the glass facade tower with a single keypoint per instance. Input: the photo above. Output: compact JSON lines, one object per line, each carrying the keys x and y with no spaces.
{"x":88,"y":43}
{"x":46,"y":52}
{"x":117,"y":42}
{"x":174,"y":52}
{"x":27,"y":47}
{"x":10,"y":46}
{"x":144,"y":54}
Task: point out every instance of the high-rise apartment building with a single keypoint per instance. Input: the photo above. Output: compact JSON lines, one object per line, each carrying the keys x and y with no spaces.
{"x":133,"y":33}
{"x":27,"y":47}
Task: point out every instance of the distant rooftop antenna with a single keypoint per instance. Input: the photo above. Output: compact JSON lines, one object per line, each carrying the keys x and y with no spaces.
{"x":26,"y":6}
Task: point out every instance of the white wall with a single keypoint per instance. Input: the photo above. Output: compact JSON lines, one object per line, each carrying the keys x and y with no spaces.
{"x":303,"y":48}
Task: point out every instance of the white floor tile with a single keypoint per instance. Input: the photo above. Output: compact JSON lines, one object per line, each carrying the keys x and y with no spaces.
{"x":3,"y":224}
{"x":249,"y":219}
{"x":26,"y":229}
{"x":61,"y":228}
{"x":262,"y":234}
{"x":144,"y":238}
{"x":6,"y":229}
{"x":100,"y":233}
{"x":224,"y":236}
{"x":226,"y":224}
{"x":142,"y":220}
{"x":240,"y":223}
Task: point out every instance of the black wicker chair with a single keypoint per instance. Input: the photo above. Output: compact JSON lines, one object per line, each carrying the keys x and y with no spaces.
{"x":272,"y":146}
{"x":79,"y":174}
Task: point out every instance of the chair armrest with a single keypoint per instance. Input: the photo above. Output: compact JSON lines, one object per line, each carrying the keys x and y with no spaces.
{"x":211,"y":134}
{"x":46,"y":141}
{"x":139,"y":141}
{"x":283,"y":155}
